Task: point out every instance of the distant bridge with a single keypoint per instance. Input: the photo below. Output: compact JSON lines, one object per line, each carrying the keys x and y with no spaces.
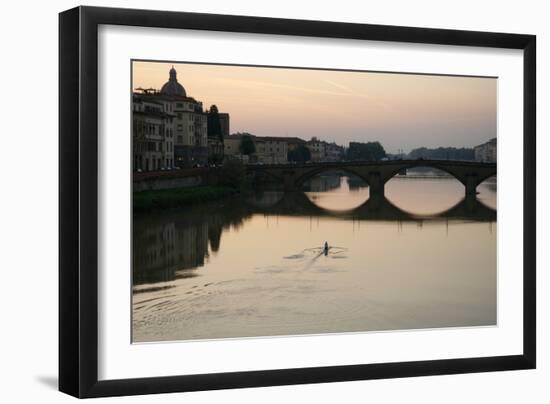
{"x":376,"y":173}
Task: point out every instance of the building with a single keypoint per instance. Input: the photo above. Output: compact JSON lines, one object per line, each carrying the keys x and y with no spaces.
{"x":218,"y":128}
{"x":317,"y":148}
{"x":224,"y":123}
{"x":486,"y":152}
{"x":152,"y":134}
{"x":333,"y":152}
{"x":215,"y":150}
{"x":268,"y":149}
{"x":232,"y":146}
{"x":275,"y":149}
{"x":271,"y":150}
{"x":188,"y":138}
{"x":294,"y":142}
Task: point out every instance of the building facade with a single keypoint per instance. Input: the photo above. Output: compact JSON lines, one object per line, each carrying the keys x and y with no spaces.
{"x":294,"y":142}
{"x":333,"y":152}
{"x":187,"y":139}
{"x":152,"y":134}
{"x":317,"y":148}
{"x":268,"y":149}
{"x":231,"y":146}
{"x":271,"y":150}
{"x":224,"y":123}
{"x":275,"y":150}
{"x":215,"y":150}
{"x":218,"y":128}
{"x":486,"y":152}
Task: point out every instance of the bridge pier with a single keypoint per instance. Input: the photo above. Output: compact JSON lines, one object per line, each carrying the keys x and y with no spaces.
{"x":289,"y":182}
{"x":376,"y":185}
{"x":471,"y":184}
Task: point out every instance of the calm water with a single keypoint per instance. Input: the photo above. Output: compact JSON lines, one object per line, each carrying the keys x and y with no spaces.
{"x":422,"y":258}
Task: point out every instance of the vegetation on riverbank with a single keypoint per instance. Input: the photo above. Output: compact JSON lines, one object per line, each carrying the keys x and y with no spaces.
{"x":174,"y":198}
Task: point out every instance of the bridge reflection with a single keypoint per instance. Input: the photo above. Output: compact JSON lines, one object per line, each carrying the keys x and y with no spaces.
{"x":375,"y":208}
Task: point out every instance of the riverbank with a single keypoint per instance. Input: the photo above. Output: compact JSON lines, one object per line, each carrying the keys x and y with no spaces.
{"x":146,"y":201}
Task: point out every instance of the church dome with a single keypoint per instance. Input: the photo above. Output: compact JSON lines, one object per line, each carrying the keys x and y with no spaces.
{"x":172,"y":87}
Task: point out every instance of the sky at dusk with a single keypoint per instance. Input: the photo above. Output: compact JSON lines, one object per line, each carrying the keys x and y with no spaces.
{"x":402,"y":111}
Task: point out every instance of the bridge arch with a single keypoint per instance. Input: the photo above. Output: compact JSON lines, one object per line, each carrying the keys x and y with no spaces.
{"x":300,"y":180}
{"x":421,"y":163}
{"x":487,"y":176}
{"x":377,"y":173}
{"x":465,"y":172}
{"x":276,"y":176}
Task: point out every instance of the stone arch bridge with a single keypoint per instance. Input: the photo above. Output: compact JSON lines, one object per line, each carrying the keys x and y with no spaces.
{"x":375,"y":173}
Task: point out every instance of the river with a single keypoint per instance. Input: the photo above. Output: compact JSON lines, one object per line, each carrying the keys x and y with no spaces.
{"x":424,"y":257}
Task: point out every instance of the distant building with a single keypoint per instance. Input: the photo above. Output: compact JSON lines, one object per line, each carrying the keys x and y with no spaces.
{"x":215,"y":150}
{"x":188,"y":135}
{"x":271,"y":150}
{"x":275,"y":149}
{"x":231,"y":146}
{"x":486,"y":152}
{"x":224,"y":123}
{"x":294,"y":143}
{"x":317,"y":148}
{"x":268,"y":149}
{"x":334,"y":152}
{"x":218,"y":128}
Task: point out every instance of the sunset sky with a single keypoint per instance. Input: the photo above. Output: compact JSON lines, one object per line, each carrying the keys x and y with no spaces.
{"x":402,"y":111}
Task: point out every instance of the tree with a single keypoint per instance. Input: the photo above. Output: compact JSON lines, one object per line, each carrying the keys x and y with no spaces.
{"x":232,"y":173}
{"x":247,"y":145}
{"x":300,"y":154}
{"x":443,"y":153}
{"x":370,"y":151}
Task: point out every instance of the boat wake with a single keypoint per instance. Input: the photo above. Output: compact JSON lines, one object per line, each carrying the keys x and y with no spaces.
{"x":315,"y":252}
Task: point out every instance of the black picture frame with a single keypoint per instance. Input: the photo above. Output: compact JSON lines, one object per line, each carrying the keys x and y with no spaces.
{"x":78,"y":201}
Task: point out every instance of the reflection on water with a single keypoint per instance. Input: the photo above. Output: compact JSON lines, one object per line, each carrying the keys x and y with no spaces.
{"x":487,"y":192}
{"x":337,"y":193}
{"x":258,"y":266}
